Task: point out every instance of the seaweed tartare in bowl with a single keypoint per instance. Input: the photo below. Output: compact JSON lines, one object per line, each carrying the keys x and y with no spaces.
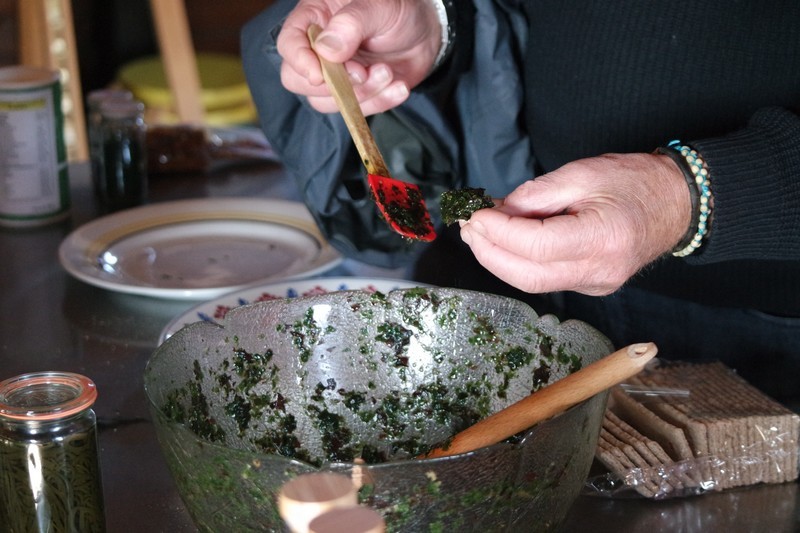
{"x":365,"y":382}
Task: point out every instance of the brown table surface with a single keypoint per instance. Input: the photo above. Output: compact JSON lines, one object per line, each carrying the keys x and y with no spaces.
{"x":51,"y":321}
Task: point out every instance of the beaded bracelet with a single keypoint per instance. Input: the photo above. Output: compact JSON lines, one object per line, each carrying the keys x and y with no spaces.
{"x":696,"y":173}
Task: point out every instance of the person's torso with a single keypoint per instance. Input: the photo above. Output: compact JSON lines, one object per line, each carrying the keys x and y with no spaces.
{"x":628,"y":76}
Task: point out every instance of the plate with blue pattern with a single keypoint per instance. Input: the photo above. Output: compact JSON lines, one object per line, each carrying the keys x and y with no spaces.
{"x":216,"y":309}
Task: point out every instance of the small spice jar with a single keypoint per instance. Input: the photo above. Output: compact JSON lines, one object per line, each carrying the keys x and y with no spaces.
{"x":94,"y":119}
{"x":49,"y":467}
{"x":123,"y":175}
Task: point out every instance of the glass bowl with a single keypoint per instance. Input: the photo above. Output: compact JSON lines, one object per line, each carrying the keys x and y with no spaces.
{"x":362,"y":383}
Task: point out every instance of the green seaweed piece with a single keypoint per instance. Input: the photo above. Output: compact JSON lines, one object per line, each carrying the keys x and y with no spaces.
{"x":459,"y":204}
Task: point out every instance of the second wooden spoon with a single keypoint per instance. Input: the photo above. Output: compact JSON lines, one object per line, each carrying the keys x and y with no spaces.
{"x":551,"y":400}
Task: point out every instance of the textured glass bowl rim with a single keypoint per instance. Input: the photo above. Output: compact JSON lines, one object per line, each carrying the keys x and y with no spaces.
{"x":83,"y":394}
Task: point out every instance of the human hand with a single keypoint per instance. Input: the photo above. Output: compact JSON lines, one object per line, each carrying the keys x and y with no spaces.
{"x":586,"y":227}
{"x":387,"y":46}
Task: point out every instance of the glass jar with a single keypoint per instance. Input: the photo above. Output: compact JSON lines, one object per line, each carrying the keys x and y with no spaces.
{"x":123,"y":175}
{"x":49,"y":467}
{"x":94,"y":119}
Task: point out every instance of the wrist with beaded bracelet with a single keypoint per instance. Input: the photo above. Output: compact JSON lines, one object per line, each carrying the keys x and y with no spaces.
{"x":696,"y":174}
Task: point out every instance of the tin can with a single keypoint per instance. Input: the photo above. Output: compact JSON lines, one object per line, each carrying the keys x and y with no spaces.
{"x":49,"y":465}
{"x":34,"y":180}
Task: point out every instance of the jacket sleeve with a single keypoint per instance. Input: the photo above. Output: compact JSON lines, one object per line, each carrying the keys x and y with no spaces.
{"x":319,"y":155}
{"x":462,"y":127}
{"x":755,"y":181}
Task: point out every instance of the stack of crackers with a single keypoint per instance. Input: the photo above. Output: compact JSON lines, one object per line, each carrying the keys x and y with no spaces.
{"x":708,"y":429}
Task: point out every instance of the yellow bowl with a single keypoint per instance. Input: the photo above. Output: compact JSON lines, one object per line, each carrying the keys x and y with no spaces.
{"x":229,"y":116}
{"x":223,"y":85}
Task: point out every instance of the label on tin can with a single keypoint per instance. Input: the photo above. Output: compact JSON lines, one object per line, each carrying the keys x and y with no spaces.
{"x":34,"y":184}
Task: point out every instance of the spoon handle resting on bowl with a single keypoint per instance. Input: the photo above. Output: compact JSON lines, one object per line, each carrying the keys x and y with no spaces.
{"x":551,"y":400}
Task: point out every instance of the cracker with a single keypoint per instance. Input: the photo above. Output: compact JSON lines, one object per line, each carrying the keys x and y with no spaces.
{"x":655,"y":456}
{"x":735,"y":416}
{"x":695,"y":432}
{"x":738,"y":435}
{"x":622,"y":466}
{"x":629,"y":451}
{"x":671,"y":438}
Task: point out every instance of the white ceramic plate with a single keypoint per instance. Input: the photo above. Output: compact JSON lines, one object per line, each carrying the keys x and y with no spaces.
{"x":215,"y":310}
{"x":198,"y":249}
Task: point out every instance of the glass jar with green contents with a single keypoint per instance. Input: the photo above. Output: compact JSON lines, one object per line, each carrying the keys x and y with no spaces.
{"x":94,"y":120}
{"x":123,"y":180}
{"x":49,"y":468}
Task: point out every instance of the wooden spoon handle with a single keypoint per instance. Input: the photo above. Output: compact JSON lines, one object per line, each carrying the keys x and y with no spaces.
{"x":552,"y":399}
{"x":339,"y":83}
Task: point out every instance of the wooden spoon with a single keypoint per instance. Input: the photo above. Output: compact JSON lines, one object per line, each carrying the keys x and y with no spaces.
{"x":551,"y":400}
{"x":400,"y":203}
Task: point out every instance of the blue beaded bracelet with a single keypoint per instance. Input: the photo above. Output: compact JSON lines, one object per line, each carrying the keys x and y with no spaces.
{"x":693,"y":166}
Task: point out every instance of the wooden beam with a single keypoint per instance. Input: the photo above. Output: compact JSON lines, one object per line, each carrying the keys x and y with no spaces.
{"x":47,"y":40}
{"x":179,"y":59}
